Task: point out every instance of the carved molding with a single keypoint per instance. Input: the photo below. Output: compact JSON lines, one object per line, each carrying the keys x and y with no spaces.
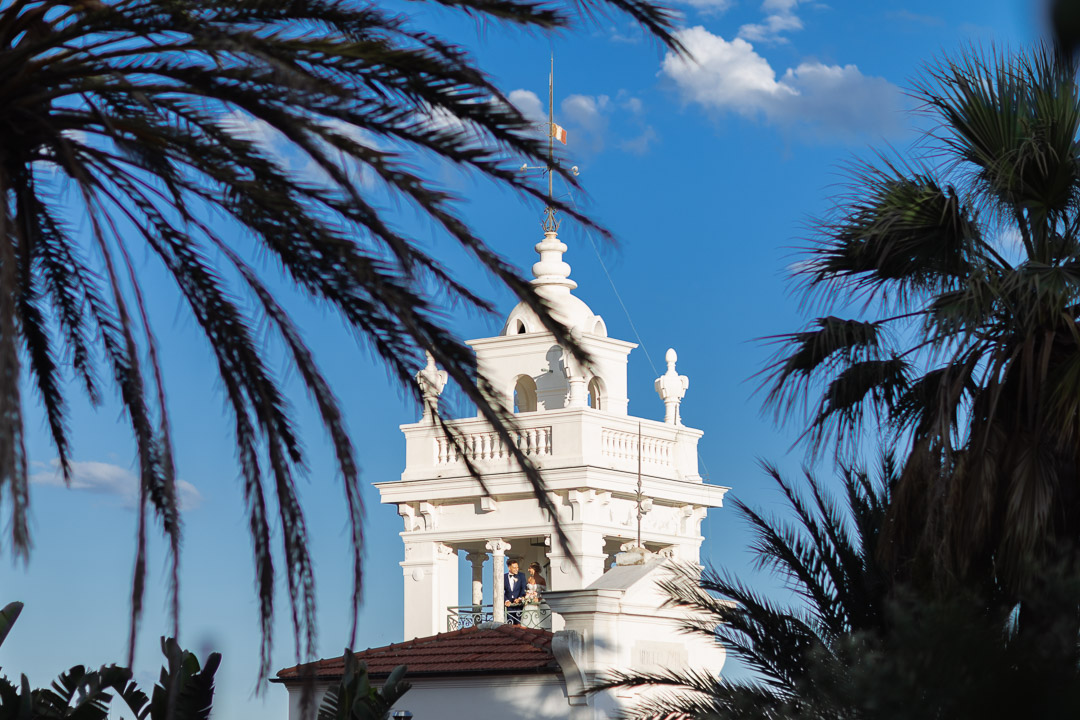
{"x":430,"y":514}
{"x":568,"y":648}
{"x":408,"y":517}
{"x":497,"y":546}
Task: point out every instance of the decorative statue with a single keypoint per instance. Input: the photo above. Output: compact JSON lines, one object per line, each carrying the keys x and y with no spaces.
{"x":431,"y":380}
{"x":671,"y":386}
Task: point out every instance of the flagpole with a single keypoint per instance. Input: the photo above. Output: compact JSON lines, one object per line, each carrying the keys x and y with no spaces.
{"x":551,"y":129}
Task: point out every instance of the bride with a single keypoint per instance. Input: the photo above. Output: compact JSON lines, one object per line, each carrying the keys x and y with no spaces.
{"x":534,"y":584}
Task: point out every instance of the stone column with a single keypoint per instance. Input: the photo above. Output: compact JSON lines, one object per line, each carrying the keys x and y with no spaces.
{"x":575,"y":378}
{"x":498,"y":548}
{"x":477,"y":559}
{"x":446,"y":567}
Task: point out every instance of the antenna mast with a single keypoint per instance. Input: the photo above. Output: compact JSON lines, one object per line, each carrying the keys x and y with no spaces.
{"x":551,"y":131}
{"x":554,"y":132}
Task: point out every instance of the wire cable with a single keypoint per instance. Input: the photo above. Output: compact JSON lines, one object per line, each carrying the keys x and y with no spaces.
{"x":611,"y":281}
{"x":626,"y":310}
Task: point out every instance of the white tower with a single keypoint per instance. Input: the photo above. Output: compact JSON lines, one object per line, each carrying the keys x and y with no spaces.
{"x":574,"y":425}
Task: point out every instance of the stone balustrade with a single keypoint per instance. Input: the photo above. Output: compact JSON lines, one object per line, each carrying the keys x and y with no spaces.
{"x":623,"y":445}
{"x":571,"y":437}
{"x":485,"y":446}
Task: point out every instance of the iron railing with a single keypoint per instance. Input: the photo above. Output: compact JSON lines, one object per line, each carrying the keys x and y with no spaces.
{"x":532,"y":615}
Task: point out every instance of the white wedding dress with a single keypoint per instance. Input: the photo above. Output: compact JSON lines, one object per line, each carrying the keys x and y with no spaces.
{"x":532,"y":593}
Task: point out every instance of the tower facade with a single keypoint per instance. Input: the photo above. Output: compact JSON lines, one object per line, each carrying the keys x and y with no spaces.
{"x":610,"y":476}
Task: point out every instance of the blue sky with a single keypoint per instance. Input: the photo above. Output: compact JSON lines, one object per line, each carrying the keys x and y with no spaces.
{"x":707,"y":173}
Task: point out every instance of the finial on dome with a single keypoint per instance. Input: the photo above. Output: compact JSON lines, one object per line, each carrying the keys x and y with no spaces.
{"x":552,"y":271}
{"x":671,"y":386}
{"x":550,"y":222}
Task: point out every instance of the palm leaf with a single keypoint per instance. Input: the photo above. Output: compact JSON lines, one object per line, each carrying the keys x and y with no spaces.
{"x":139,"y":116}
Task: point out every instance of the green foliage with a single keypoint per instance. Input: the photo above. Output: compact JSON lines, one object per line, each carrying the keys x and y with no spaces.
{"x":854,"y":647}
{"x":968,"y":259}
{"x":355,"y":698}
{"x":144,"y":119}
{"x":8,"y":615}
{"x":185,"y":691}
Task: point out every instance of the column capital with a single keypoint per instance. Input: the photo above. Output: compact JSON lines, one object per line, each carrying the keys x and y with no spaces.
{"x":497,"y":546}
{"x":477,"y":557}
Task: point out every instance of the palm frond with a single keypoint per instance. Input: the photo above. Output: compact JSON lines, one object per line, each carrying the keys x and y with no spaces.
{"x":798,"y":654}
{"x":149,"y":116}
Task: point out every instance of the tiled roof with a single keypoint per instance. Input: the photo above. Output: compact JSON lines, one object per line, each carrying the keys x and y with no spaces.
{"x":485,"y":649}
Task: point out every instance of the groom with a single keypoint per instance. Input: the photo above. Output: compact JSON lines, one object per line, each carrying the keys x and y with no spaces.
{"x":513,"y":591}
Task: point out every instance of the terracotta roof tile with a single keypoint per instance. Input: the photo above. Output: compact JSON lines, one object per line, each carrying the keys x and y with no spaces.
{"x":486,"y":649}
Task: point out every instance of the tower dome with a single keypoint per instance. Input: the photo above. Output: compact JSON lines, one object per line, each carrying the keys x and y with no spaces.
{"x":551,"y":278}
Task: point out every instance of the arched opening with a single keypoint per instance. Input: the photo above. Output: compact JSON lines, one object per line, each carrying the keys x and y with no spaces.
{"x":524,"y":394}
{"x":521,"y":329}
{"x":597,"y":397}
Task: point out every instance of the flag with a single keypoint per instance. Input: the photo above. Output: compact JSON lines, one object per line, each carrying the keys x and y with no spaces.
{"x":558,"y":132}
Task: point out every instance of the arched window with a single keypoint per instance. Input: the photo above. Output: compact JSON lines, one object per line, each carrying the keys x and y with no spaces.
{"x":597,"y":396}
{"x":524,"y":394}
{"x":521,"y":330}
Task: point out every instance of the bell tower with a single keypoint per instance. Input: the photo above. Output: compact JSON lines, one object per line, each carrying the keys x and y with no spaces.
{"x":611,"y":476}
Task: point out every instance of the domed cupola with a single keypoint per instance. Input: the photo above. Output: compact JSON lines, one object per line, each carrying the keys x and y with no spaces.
{"x":551,"y":278}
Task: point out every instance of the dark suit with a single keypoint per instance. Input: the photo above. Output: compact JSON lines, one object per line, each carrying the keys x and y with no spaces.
{"x":513,"y":613}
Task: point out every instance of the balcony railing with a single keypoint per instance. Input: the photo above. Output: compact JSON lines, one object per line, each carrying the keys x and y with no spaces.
{"x":622,"y":445}
{"x":489,"y":446}
{"x":466,"y":616}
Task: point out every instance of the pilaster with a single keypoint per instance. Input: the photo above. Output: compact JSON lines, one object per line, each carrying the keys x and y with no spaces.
{"x":430,"y":575}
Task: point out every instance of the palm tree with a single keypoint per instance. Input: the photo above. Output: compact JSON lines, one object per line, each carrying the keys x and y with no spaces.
{"x":853,"y":645}
{"x":958,"y":275}
{"x":184,"y":692}
{"x":144,"y":118}
{"x":827,"y":557}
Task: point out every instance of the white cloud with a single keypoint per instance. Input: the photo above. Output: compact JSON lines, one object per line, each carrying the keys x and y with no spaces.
{"x":588,"y":120}
{"x":640,"y":144}
{"x":842,"y":99}
{"x":108,"y":479}
{"x":780,"y":18}
{"x":632,"y":105}
{"x":528,"y":103}
{"x":708,"y":7}
{"x":779,"y":6}
{"x":587,"y":111}
{"x":770,"y":30}
{"x":627,"y":38}
{"x":295,"y":161}
{"x":828,"y":101}
{"x":724,"y":75}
